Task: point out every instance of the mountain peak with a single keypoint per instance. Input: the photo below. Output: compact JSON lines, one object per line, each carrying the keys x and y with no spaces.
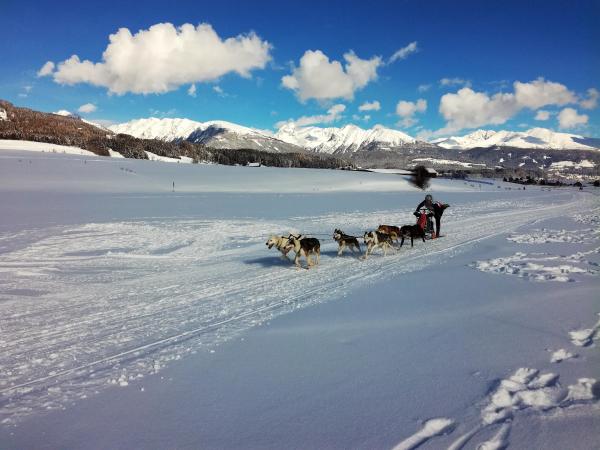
{"x":348,"y":138}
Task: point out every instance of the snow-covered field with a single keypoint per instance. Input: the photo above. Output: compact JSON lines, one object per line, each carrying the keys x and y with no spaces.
{"x":135,"y":316}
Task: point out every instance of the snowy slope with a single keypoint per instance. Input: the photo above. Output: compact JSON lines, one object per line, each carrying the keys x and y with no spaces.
{"x":31,"y":146}
{"x":541,"y":138}
{"x":349,"y":138}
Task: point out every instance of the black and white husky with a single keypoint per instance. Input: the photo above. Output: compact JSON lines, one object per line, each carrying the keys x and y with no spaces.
{"x":305,"y":246}
{"x":377,"y":239}
{"x":344,"y":240}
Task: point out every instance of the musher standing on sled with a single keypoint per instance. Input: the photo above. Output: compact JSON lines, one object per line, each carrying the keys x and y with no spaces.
{"x":437,"y":208}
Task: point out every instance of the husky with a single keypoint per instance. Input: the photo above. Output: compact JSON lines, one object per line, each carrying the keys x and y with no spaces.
{"x":281,"y":243}
{"x":377,"y":239}
{"x":412,"y":231}
{"x":344,"y":241}
{"x":305,"y":246}
{"x":392,"y":230}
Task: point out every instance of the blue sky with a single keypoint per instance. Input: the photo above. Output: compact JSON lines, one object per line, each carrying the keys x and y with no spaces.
{"x":480,"y":48}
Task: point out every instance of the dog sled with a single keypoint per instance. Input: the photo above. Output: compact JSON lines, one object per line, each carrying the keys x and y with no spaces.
{"x":425,"y":221}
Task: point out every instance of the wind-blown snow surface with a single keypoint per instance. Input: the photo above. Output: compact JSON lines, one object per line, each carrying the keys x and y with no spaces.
{"x":111,"y":283}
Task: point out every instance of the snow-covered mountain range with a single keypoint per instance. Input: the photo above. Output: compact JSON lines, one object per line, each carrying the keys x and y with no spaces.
{"x":340,"y":140}
{"x":347,"y":139}
{"x":215,"y":133}
{"x":534,"y":150}
{"x":535,"y":138}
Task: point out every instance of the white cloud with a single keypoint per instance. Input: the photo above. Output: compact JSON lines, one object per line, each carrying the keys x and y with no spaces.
{"x":470,"y":109}
{"x":540,"y":92}
{"x":454,"y":82}
{"x":569,"y":118}
{"x":105,"y":122}
{"x":46,"y":69}
{"x":425,"y":134}
{"x":164,"y":57}
{"x":407,"y":110}
{"x":319,"y":78}
{"x":333,"y":114}
{"x":162,"y":114}
{"x":372,"y":106}
{"x":542,"y":115}
{"x":404,"y":52}
{"x":219,"y":90}
{"x":592,"y":101}
{"x":87,"y":108}
{"x":423,"y":87}
{"x":408,"y":122}
{"x":192,"y":91}
{"x":26,"y":91}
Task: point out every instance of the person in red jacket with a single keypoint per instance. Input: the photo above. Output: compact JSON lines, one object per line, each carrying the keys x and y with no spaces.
{"x":437,"y":208}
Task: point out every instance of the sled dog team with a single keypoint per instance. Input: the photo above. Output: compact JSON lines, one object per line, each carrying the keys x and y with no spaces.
{"x":382,"y":238}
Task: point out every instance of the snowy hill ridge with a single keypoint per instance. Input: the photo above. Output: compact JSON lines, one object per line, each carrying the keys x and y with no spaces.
{"x":214,"y":133}
{"x":535,"y":138}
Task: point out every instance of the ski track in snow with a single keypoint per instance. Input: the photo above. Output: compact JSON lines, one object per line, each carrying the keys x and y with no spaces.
{"x":585,"y":337}
{"x":431,"y":428}
{"x":109,"y":303}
